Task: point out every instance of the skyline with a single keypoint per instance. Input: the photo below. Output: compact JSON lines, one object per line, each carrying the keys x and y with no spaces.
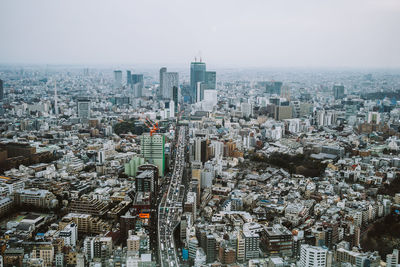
{"x":310,"y":34}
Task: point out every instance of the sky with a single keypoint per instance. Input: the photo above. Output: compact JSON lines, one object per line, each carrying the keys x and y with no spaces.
{"x":239,"y":33}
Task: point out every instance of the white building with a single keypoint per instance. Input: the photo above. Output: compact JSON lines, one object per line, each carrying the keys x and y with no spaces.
{"x":311,"y":256}
{"x":70,"y":234}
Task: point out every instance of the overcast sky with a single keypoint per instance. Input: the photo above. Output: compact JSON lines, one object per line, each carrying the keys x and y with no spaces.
{"x":247,"y":33}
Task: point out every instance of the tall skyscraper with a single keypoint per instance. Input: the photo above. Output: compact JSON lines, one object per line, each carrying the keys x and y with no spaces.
{"x":338,"y":91}
{"x":55,"y":99}
{"x":200,"y":87}
{"x":170,"y":80}
{"x":273,"y":87}
{"x":211,"y":80}
{"x":162,"y":71}
{"x":117,"y":79}
{"x":152,"y":149}
{"x":137,"y":78}
{"x":83,"y":104}
{"x":175,"y":96}
{"x":137,"y":84}
{"x":197,"y":74}
{"x":1,"y":90}
{"x":128,"y":77}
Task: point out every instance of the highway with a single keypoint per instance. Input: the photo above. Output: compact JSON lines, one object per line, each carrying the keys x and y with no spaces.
{"x":170,"y":208}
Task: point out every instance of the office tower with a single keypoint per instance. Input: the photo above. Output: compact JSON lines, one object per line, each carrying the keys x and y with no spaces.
{"x":170,"y":80}
{"x":86,"y":71}
{"x":152,"y":149}
{"x":128,"y":77}
{"x":55,"y":100}
{"x":117,"y":79}
{"x":197,"y":74}
{"x":338,"y":91}
{"x":1,"y":90}
{"x":273,"y":87}
{"x":211,"y":80}
{"x":137,"y":84}
{"x":175,"y":97}
{"x":200,"y":150}
{"x":137,"y":78}
{"x":162,"y":71}
{"x":392,"y":260}
{"x":311,"y":256}
{"x":200,"y":88}
{"x":83,"y":108}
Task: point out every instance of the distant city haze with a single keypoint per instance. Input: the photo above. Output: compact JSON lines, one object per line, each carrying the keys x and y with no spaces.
{"x":251,"y":33}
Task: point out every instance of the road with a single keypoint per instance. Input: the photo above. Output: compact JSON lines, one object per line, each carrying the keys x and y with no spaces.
{"x":170,"y":208}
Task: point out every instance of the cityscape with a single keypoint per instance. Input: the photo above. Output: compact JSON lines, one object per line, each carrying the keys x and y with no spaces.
{"x":202,"y":161}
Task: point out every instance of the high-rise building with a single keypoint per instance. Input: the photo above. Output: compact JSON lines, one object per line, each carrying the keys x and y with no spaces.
{"x":175,"y":97}
{"x":162,"y":71}
{"x":128,"y":77}
{"x":311,"y":256}
{"x":137,"y":78}
{"x":83,"y":104}
{"x":152,"y":149}
{"x":197,"y":74}
{"x":137,"y":84}
{"x":117,"y":79}
{"x":1,"y":90}
{"x":338,"y":91}
{"x":211,"y":80}
{"x":273,"y":87}
{"x":170,"y":80}
{"x":200,"y":88}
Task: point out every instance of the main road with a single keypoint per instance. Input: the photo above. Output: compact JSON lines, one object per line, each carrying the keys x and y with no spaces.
{"x":170,"y":209}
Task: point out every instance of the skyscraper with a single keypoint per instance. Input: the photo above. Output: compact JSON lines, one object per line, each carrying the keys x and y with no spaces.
{"x":211,"y":80}
{"x":170,"y":80}
{"x":175,"y":97}
{"x":200,"y":88}
{"x":162,"y":71}
{"x":137,"y":78}
{"x":338,"y":91}
{"x":137,"y":84}
{"x":273,"y":87}
{"x":128,"y":77}
{"x":83,"y":104}
{"x":197,"y":74}
{"x":117,"y":79}
{"x":1,"y":90}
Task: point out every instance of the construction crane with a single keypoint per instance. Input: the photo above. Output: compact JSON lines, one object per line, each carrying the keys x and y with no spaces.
{"x":152,"y":126}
